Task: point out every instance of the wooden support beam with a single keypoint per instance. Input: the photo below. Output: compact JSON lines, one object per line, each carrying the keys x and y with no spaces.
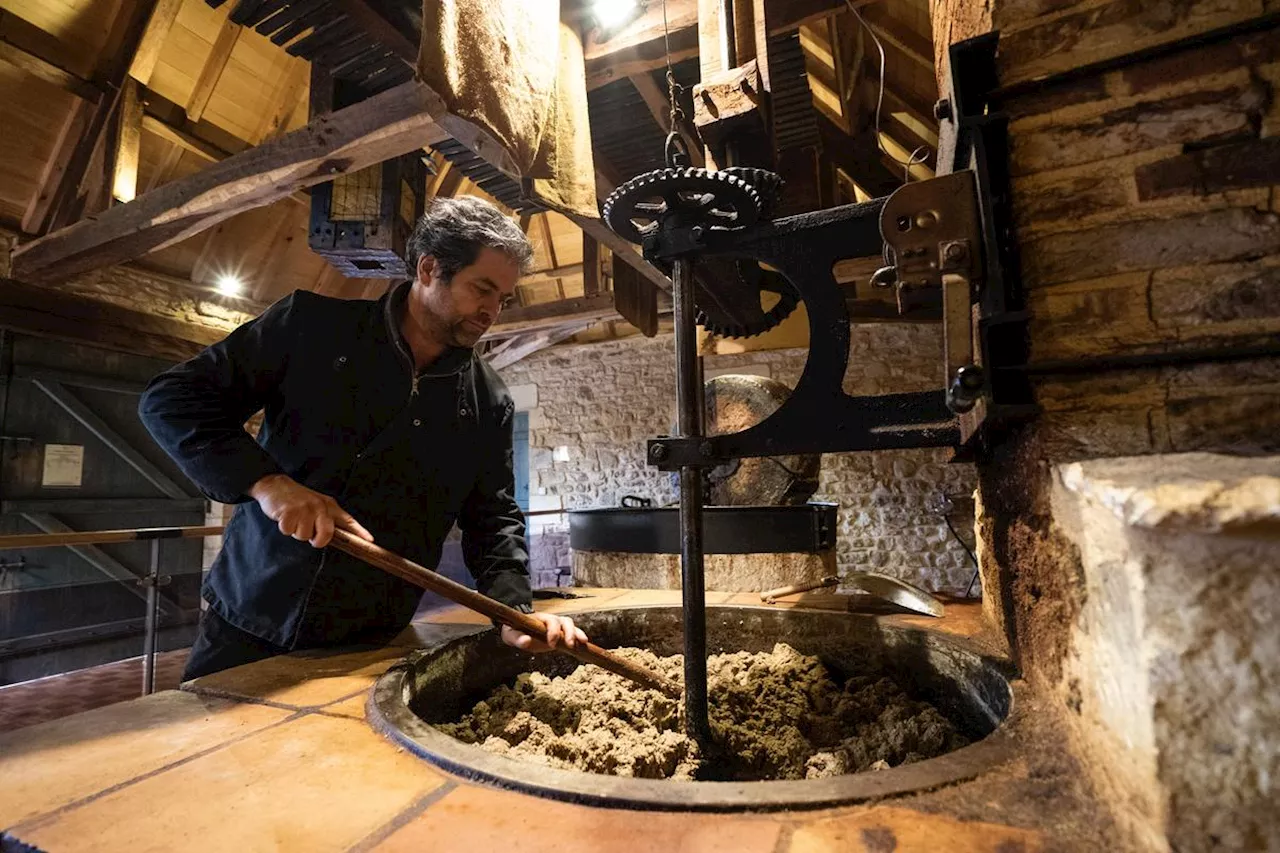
{"x":62,"y":316}
{"x":211,"y":73}
{"x":55,"y":168}
{"x":291,"y":92}
{"x":523,"y":346}
{"x":590,"y":266}
{"x":186,"y":141}
{"x":47,"y":71}
{"x":554,"y":273}
{"x":387,"y":125}
{"x":64,"y":207}
{"x":641,"y":46}
{"x":544,"y":225}
{"x":163,"y":15}
{"x":894,"y":33}
{"x":546,"y":315}
{"x":128,"y":147}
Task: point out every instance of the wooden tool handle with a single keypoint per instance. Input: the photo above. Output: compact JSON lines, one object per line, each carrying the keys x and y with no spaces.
{"x":469,"y":598}
{"x":771,"y":594}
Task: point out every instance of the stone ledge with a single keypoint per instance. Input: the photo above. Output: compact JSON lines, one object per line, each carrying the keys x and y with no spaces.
{"x":1191,"y":492}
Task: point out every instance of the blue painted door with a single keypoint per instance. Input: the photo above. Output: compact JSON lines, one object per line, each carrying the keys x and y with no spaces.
{"x":520,"y":448}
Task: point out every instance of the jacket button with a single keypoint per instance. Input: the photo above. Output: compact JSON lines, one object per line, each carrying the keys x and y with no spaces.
{"x":342,"y":359}
{"x":417,"y":422}
{"x":463,"y":412}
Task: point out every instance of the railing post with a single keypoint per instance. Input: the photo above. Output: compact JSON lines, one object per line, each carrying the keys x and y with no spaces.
{"x":152,"y":582}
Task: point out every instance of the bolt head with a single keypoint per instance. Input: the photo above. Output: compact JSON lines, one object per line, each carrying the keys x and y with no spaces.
{"x":697,"y":232}
{"x":706,"y":449}
{"x":955,"y":252}
{"x":658,"y":451}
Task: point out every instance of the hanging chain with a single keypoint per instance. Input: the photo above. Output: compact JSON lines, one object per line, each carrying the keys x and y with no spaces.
{"x":677,"y":151}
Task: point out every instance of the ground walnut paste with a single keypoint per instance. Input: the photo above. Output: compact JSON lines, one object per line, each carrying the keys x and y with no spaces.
{"x":774,"y":715}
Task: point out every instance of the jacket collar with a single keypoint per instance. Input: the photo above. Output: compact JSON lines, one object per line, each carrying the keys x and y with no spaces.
{"x":452,"y":361}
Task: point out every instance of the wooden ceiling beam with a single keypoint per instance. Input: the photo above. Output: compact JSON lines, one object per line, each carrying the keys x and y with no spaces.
{"x":128,"y":147}
{"x":553,"y":274}
{"x":56,"y":166}
{"x":144,"y":57}
{"x":63,"y":316}
{"x":387,"y":125}
{"x":902,"y":38}
{"x":54,"y":75}
{"x":544,"y":315}
{"x":133,"y":28}
{"x":212,"y":70}
{"x":522,"y":346}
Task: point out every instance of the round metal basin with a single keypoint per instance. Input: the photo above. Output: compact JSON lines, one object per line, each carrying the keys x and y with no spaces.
{"x":441,"y":683}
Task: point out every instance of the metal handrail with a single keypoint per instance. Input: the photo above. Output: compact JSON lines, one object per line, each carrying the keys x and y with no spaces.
{"x":152,"y":580}
{"x":101,"y":537}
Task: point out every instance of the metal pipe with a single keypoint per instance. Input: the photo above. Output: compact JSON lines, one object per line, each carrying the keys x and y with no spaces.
{"x":153,"y":618}
{"x":689,"y":424}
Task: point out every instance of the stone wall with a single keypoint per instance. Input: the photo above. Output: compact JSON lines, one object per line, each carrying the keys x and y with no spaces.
{"x":597,"y":405}
{"x":1146,"y":198}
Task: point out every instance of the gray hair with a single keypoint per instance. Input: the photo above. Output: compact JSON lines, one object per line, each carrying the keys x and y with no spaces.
{"x":454,"y":230}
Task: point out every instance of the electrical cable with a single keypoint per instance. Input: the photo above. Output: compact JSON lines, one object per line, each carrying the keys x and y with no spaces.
{"x":912,"y":158}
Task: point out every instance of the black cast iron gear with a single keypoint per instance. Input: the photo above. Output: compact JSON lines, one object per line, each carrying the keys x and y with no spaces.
{"x":768,"y":184}
{"x":685,"y":198}
{"x":748,"y":318}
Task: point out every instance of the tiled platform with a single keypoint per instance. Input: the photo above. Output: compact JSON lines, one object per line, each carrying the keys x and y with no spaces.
{"x":277,"y":756}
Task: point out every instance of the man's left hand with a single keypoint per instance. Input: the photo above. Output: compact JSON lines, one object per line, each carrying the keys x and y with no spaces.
{"x":560,"y":629}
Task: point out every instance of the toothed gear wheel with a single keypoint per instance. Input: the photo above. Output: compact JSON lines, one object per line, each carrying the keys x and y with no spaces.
{"x":689,"y":196}
{"x":768,"y":184}
{"x":748,"y":318}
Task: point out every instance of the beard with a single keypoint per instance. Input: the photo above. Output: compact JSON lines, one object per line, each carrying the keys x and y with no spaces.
{"x":465,"y":334}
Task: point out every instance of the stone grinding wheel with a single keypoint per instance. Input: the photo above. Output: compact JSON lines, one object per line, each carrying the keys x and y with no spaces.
{"x":736,"y":402}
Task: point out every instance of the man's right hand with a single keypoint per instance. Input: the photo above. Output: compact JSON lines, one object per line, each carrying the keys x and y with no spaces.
{"x":302,"y":513}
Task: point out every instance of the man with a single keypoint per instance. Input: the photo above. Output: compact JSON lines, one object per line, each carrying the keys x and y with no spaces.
{"x":379,"y":419}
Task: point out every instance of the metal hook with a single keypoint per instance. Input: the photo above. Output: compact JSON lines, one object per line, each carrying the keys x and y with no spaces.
{"x":677,"y":150}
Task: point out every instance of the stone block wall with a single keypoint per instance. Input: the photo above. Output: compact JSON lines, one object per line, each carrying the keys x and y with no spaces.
{"x":599,"y":403}
{"x":1146,"y":197}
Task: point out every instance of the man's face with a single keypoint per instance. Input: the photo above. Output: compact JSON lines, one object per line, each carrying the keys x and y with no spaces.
{"x":464,"y":307}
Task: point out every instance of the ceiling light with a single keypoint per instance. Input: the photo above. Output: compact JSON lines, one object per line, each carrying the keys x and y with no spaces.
{"x":614,"y":13}
{"x":230,"y":285}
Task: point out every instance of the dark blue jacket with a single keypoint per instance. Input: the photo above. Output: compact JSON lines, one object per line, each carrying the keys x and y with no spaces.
{"x":344,"y":414}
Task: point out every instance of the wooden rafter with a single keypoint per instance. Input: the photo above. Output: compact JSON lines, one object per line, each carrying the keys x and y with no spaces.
{"x":128,"y":147}
{"x":387,"y":125}
{"x":211,"y":73}
{"x":63,"y":208}
{"x":54,"y":75}
{"x":144,"y":58}
{"x":590,"y":266}
{"x":55,"y":167}
{"x":552,"y":274}
{"x":893,"y":33}
{"x":547,"y":315}
{"x":522,"y":346}
{"x":290,"y":94}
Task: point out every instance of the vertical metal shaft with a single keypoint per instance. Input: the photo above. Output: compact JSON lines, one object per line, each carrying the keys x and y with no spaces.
{"x":152,"y":619}
{"x":689,"y":424}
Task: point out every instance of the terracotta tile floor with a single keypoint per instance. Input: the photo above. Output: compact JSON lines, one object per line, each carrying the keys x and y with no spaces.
{"x":57,"y":696}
